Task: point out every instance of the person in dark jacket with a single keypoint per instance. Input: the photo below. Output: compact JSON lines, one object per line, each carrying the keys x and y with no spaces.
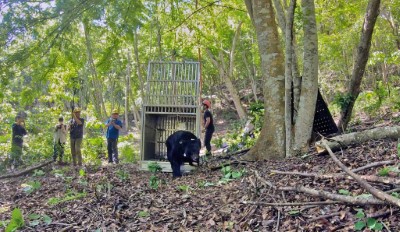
{"x":76,"y":135}
{"x":208,"y":126}
{"x":18,"y":132}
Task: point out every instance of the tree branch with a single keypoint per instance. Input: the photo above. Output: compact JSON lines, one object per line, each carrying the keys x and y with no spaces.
{"x":375,"y":192}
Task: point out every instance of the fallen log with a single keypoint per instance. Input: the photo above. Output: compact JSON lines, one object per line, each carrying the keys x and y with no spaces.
{"x":342,"y":141}
{"x":26,"y":171}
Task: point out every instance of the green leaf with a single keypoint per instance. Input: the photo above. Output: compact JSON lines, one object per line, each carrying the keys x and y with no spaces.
{"x":360,"y":225}
{"x":294,"y":212}
{"x":34,"y":216}
{"x":344,"y":192}
{"x":16,"y":222}
{"x":47,"y":219}
{"x":39,"y":173}
{"x":371,"y":222}
{"x":34,"y":223}
{"x":360,"y":214}
{"x":378,"y":226}
{"x":237,"y":174}
{"x":82,"y":173}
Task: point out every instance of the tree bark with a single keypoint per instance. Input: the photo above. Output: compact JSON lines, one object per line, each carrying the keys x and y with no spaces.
{"x":289,"y":77}
{"x":345,"y":140}
{"x":360,"y":62}
{"x":271,"y":142}
{"x":309,"y":88}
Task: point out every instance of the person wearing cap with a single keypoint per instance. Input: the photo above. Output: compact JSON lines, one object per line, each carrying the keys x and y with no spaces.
{"x":60,"y":137}
{"x":208,"y":126}
{"x":113,"y":125}
{"x":76,"y":135}
{"x":18,"y":132}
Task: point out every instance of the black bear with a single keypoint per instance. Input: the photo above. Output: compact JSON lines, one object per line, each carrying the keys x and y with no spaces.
{"x":182,"y":146}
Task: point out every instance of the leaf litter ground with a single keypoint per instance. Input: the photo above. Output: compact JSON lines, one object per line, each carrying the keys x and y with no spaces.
{"x":119,"y":197}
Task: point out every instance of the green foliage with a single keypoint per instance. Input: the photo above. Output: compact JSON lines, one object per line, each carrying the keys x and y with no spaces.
{"x":38,"y":173}
{"x":384,"y":171}
{"x":36,"y":219}
{"x":344,"y":192}
{"x":123,"y":175}
{"x":229,"y":174}
{"x":82,"y":173}
{"x":16,"y":222}
{"x":154,"y":182}
{"x":184,"y":188}
{"x":203,"y":184}
{"x":154,"y":167}
{"x":342,"y":100}
{"x":143,"y":214}
{"x":31,"y":187}
{"x":69,"y":196}
{"x":363,"y":222}
{"x":127,"y":152}
{"x":256,"y":114}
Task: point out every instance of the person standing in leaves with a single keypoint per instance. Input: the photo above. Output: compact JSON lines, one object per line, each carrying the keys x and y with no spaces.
{"x":76,"y":135}
{"x":113,"y":125}
{"x":208,"y":126}
{"x":18,"y":132}
{"x":60,"y":137}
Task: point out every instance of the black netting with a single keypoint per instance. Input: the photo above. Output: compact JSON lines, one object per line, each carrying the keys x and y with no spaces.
{"x":323,"y":121}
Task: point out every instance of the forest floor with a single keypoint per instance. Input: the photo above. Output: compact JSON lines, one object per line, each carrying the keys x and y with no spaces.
{"x":120,"y":197}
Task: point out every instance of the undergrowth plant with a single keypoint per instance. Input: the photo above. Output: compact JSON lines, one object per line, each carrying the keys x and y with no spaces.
{"x":366,"y":223}
{"x":154,"y":168}
{"x":16,"y":222}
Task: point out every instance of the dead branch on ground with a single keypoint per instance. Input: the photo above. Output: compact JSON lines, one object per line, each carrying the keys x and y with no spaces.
{"x":371,"y":178}
{"x":375,"y":192}
{"x":26,"y":171}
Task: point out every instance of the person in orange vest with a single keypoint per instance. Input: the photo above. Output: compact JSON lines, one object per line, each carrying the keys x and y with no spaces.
{"x":208,"y":126}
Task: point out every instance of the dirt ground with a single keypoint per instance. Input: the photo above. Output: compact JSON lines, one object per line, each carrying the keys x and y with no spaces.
{"x":120,"y":197}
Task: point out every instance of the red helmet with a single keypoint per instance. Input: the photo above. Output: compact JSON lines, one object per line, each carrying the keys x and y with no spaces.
{"x":207,"y":103}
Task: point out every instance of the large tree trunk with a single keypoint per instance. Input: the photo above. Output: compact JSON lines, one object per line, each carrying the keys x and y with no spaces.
{"x":309,"y":87}
{"x":345,"y":140}
{"x":360,"y":62}
{"x":271,"y":142}
{"x":99,"y":106}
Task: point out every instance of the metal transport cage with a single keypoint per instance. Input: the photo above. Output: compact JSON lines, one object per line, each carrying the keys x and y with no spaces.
{"x":171,"y":103}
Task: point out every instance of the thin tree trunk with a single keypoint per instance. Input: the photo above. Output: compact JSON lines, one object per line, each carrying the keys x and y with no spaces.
{"x":289,"y":77}
{"x":271,"y":142}
{"x":280,"y":11}
{"x":226,"y":76}
{"x":127,"y":91}
{"x":252,"y":76}
{"x":360,"y":62}
{"x":309,"y":88}
{"x":138,"y":70}
{"x":100,"y":109}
